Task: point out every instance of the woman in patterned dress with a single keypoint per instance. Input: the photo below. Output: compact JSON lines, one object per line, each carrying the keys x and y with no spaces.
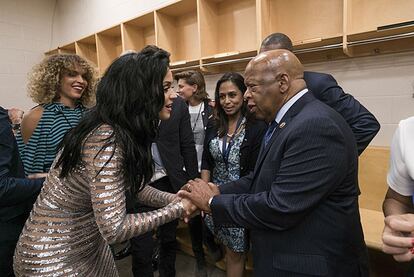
{"x":81,"y":208}
{"x":230,"y":152}
{"x":63,"y":85}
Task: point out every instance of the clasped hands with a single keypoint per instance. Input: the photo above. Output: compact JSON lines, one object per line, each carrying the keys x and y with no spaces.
{"x":195,"y":196}
{"x":398,"y":237}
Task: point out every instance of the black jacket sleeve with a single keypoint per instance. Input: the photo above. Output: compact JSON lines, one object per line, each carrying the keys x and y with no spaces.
{"x":187,"y":145}
{"x":250,"y":147}
{"x":13,"y":189}
{"x":207,"y":162}
{"x":363,"y":124}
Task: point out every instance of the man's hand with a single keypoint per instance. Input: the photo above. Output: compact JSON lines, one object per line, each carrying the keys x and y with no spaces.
{"x":397,"y":237}
{"x":15,"y":115}
{"x":199,"y":192}
{"x":214,"y":188}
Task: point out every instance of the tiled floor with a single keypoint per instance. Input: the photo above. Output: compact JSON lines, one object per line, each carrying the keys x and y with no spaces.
{"x":185,"y":265}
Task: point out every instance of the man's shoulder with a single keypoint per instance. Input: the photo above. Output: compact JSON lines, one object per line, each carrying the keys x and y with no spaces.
{"x":319,"y":83}
{"x":318,"y":76}
{"x":318,"y":113}
{"x":4,"y":117}
{"x":5,"y":127}
{"x":179,"y":109}
{"x":179,"y":103}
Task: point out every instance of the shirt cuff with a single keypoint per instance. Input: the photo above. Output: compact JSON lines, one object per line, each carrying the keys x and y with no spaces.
{"x":209,"y":202}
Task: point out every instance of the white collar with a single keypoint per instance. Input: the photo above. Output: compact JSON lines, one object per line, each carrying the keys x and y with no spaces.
{"x":283,"y":110}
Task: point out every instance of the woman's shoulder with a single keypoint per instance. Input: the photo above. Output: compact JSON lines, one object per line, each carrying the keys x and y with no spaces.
{"x":406,"y":130}
{"x":30,"y":121}
{"x":212,"y":129}
{"x":408,"y":122}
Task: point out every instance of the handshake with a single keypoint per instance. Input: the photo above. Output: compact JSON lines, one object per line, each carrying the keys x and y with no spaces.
{"x":195,"y":196}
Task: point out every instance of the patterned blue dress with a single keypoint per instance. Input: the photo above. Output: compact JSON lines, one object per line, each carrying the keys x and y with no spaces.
{"x":233,"y":238}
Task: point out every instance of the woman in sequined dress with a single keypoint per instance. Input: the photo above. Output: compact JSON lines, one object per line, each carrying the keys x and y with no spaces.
{"x":81,"y":208}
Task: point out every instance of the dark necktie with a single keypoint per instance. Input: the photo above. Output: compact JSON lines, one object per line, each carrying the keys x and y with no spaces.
{"x":269,"y":132}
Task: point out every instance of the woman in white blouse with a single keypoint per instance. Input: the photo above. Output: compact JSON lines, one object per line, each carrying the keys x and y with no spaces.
{"x":398,"y":234}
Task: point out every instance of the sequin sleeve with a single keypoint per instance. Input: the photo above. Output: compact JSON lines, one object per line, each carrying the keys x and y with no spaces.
{"x":153,"y":197}
{"x":108,"y":193}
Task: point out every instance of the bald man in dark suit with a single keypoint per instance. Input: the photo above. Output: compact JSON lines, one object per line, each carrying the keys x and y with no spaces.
{"x":300,"y":203}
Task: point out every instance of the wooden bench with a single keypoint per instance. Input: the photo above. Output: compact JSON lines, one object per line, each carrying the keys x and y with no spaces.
{"x":373,"y":167}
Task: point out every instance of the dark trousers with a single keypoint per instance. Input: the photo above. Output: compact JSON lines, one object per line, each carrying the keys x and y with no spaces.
{"x":200,"y":233}
{"x":195,"y":227}
{"x":9,"y":235}
{"x":142,"y":246}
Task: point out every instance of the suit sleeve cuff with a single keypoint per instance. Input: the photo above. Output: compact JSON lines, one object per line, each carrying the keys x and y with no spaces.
{"x":220,"y":206}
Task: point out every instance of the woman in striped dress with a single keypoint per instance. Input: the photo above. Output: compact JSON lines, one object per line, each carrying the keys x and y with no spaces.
{"x":62,"y":85}
{"x":81,"y":208}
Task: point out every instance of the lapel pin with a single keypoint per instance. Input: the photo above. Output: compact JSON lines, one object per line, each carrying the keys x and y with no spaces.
{"x":281,"y":125}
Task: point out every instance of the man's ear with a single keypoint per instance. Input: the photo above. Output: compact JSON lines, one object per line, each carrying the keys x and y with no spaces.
{"x":195,"y":87}
{"x":284,"y":83}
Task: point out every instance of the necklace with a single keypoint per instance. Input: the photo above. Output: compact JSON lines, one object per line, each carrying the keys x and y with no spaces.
{"x":226,"y":148}
{"x":237,"y":127}
{"x":198,"y":116}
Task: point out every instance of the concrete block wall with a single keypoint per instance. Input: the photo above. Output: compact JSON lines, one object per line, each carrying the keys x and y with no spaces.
{"x":25,"y":33}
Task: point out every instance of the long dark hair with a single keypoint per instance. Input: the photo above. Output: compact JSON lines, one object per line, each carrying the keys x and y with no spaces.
{"x":129,"y":97}
{"x":222,"y":120}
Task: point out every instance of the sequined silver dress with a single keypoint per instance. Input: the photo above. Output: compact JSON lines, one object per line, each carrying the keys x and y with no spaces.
{"x":76,"y":218}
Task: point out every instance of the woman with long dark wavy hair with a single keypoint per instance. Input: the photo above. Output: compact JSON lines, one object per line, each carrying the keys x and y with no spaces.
{"x":230,"y":152}
{"x":81,"y":208}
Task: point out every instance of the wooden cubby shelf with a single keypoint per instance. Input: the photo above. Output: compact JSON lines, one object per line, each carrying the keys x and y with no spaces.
{"x":177,"y":32}
{"x":308,"y":23}
{"x":220,"y":35}
{"x":67,"y":49}
{"x":109,"y":47}
{"x":86,"y":48}
{"x":138,"y":32}
{"x":227,"y":29}
{"x":374,"y":27}
{"x":372,"y":19}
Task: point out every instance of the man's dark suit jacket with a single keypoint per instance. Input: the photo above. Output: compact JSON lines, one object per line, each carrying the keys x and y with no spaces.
{"x":17,"y":193}
{"x":175,"y":142}
{"x":301,"y":202}
{"x":364,"y":125}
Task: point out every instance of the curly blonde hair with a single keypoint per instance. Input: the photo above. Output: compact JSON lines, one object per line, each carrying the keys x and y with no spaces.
{"x":45,"y":78}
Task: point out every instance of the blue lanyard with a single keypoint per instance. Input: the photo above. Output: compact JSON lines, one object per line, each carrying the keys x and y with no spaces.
{"x":225,"y":150}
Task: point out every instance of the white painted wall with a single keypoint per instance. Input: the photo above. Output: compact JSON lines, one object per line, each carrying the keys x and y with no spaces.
{"x":25,"y":33}
{"x":384,"y":84}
